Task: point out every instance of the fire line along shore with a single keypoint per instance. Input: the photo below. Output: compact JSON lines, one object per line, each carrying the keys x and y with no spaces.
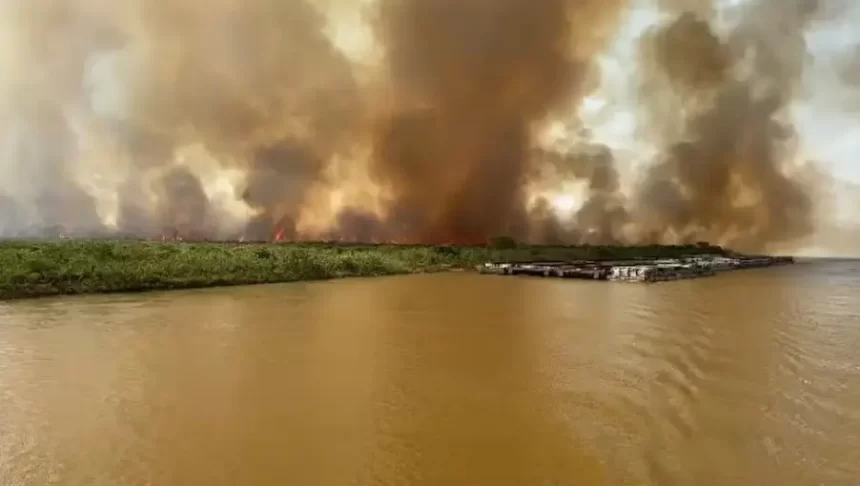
{"x":38,"y":268}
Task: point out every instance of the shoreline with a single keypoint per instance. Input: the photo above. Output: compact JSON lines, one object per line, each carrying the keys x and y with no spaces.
{"x":640,"y":270}
{"x":43,"y":268}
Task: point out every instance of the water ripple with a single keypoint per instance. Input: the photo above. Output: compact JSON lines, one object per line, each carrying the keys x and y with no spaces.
{"x":750,"y":378}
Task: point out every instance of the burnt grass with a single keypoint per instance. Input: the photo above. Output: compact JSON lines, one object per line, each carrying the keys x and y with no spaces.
{"x":64,"y":267}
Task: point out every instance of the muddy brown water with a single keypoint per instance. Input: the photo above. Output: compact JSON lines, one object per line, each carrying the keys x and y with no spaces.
{"x":749,"y":378}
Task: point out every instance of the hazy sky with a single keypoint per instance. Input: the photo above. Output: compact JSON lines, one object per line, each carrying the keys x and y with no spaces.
{"x":827,"y":119}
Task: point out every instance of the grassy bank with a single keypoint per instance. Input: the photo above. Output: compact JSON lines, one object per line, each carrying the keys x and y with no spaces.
{"x":34,"y":269}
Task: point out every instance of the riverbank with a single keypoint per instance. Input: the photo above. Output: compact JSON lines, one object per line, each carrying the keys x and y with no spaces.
{"x":638,"y":270}
{"x":65,"y":267}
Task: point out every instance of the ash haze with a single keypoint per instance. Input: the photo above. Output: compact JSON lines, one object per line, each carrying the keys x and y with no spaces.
{"x":436,"y":121}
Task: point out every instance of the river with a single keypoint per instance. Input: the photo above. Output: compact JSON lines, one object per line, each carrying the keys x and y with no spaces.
{"x":748,"y":378}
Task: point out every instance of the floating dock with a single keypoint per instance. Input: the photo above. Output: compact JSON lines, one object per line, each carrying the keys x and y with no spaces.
{"x":652,"y":270}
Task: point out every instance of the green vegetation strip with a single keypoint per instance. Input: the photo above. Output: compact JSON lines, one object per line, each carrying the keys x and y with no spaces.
{"x":43,"y":268}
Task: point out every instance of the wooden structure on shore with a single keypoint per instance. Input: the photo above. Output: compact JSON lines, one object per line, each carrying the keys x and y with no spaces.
{"x":635,"y":270}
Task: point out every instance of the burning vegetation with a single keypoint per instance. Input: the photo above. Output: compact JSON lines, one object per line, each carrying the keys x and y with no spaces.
{"x":242,"y":120}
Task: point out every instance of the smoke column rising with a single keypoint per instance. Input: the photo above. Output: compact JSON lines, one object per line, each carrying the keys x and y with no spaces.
{"x":122,"y":119}
{"x":471,"y":80}
{"x":723,"y":175}
{"x":256,"y":83}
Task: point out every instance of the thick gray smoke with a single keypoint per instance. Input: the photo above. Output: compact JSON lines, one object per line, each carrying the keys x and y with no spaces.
{"x":224,"y":119}
{"x":256,"y":84}
{"x":719,"y":106}
{"x":602,"y":217}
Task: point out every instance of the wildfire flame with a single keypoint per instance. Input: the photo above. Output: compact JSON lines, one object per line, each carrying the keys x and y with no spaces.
{"x":279,"y":234}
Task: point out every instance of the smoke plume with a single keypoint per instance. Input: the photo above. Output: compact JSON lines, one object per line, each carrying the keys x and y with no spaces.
{"x":242,"y":119}
{"x":720,"y":105}
{"x":256,"y":83}
{"x":471,"y":80}
{"x":603,"y":216}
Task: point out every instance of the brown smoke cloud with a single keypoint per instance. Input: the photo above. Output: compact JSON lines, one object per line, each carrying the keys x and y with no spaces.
{"x":470,"y":82}
{"x":603,"y":215}
{"x":36,"y":130}
{"x":226,"y":119}
{"x":720,"y":106}
{"x":256,"y":84}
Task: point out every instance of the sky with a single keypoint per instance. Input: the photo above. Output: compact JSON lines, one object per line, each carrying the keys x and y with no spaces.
{"x":827,"y":125}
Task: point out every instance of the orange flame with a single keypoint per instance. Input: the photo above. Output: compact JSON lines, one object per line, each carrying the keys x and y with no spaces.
{"x":279,"y":235}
